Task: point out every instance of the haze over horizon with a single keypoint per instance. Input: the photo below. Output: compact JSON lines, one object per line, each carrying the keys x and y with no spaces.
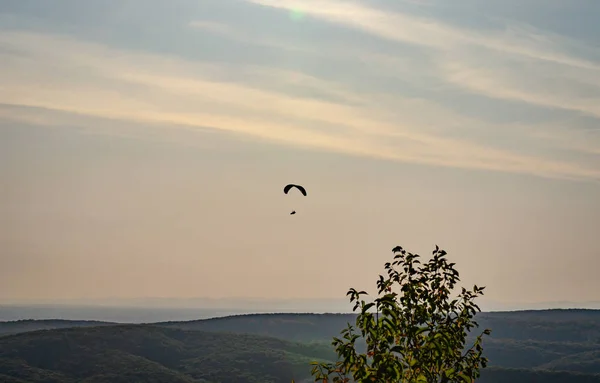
{"x":257,"y":304}
{"x":144,"y":146}
{"x":161,"y":310}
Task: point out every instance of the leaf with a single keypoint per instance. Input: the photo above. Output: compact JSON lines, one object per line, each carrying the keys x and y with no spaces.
{"x":449,"y":373}
{"x":418,"y":325}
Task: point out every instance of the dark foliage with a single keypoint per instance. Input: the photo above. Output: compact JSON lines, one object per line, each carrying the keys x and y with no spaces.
{"x":511,"y":375}
{"x":138,"y":353}
{"x":417,"y":332}
{"x":142,"y":353}
{"x":18,"y":326}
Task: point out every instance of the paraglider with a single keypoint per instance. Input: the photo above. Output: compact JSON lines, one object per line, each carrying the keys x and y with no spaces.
{"x":288,"y":187}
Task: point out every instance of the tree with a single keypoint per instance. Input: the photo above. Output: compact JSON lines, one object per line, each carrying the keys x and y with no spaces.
{"x":417,"y":334}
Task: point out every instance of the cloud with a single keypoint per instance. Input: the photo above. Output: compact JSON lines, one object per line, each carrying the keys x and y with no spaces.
{"x":517,"y":40}
{"x":226,"y":30}
{"x":97,"y":80}
{"x":530,"y":83}
{"x":520,"y":63}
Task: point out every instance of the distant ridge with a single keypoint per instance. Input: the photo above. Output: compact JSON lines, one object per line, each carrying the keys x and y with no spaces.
{"x":576,"y":324}
{"x":257,"y":304}
{"x":527,"y":346}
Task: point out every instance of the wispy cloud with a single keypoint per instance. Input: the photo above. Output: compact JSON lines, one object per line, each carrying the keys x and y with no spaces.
{"x":297,"y":108}
{"x":531,"y":83}
{"x":517,"y":40}
{"x":110,"y":83}
{"x":230,"y":31}
{"x":502,"y":64}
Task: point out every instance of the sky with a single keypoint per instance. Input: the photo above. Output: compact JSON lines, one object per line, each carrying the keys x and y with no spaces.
{"x":144,"y":146}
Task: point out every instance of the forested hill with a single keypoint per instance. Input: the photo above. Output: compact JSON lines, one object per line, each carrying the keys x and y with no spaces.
{"x":575,"y":325}
{"x":526,"y":346}
{"x":14,"y":327}
{"x":137,"y":353}
{"x":143,"y":353}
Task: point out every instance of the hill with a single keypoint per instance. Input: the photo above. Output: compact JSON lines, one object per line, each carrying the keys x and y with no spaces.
{"x":566,"y":340}
{"x":547,"y":343}
{"x":138,"y":353}
{"x":572,"y":325}
{"x":143,"y":353}
{"x":556,"y":325}
{"x":521,"y":375}
{"x":18,"y":326}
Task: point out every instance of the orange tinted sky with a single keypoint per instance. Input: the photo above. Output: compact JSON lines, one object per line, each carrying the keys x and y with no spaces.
{"x":144,"y":147}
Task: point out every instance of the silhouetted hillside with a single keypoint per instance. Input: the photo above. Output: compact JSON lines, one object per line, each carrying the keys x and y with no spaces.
{"x":573,"y":325}
{"x":137,"y":353}
{"x":15,"y":327}
{"x":535,"y":325}
{"x":588,"y":362}
{"x":236,"y":348}
{"x":512,"y":375}
{"x":299,"y":327}
{"x":551,"y":339}
{"x":143,"y":353}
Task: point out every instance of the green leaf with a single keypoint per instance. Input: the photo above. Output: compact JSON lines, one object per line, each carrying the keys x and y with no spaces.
{"x":422,"y":324}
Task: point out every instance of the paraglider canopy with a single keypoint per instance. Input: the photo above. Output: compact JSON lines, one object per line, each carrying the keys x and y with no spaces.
{"x":287,"y":188}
